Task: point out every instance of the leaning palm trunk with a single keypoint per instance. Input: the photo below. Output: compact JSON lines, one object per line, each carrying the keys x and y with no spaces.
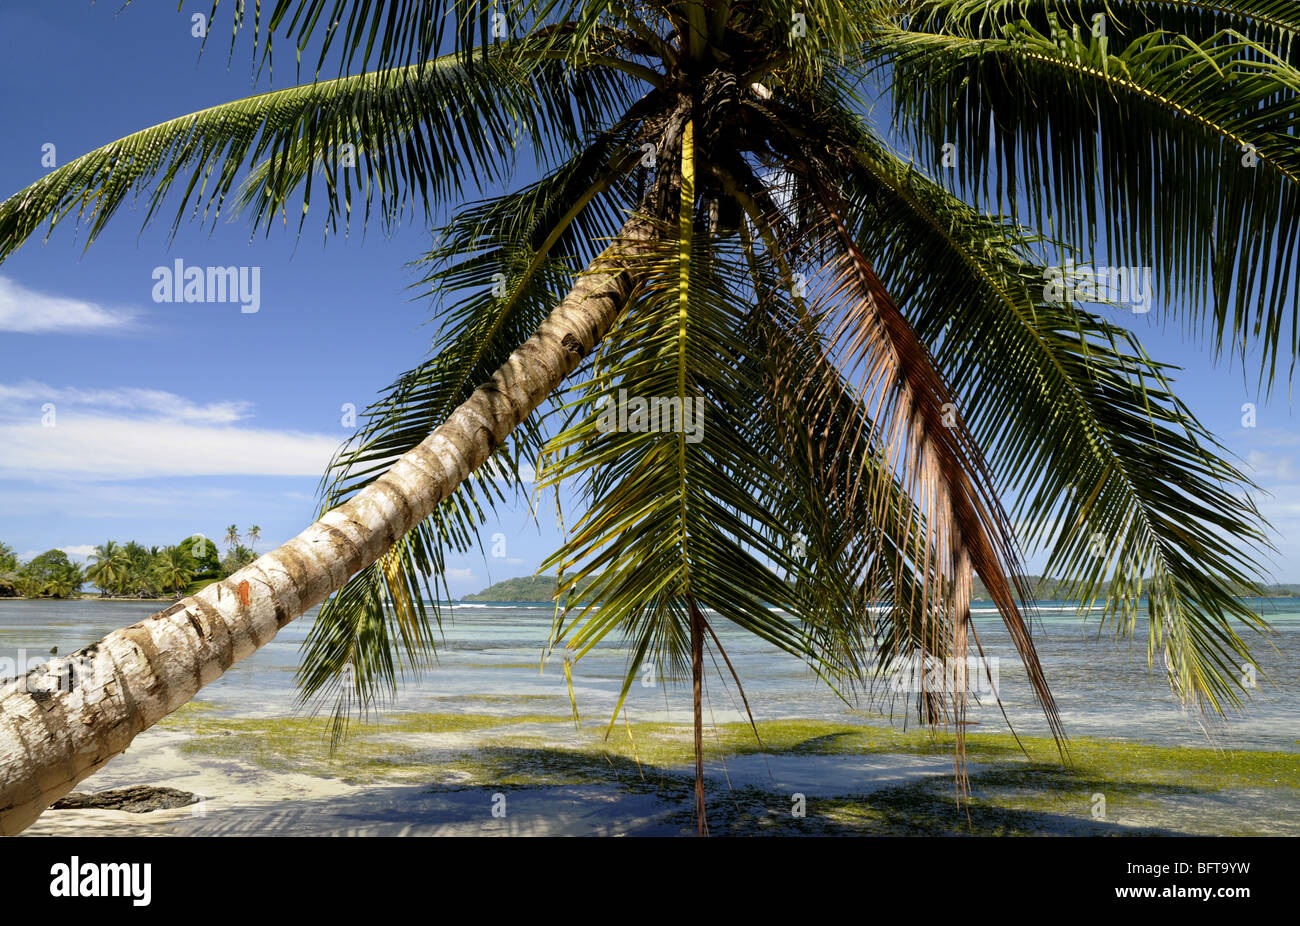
{"x":68,"y":718}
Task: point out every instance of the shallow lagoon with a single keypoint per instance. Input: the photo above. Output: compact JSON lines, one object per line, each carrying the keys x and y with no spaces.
{"x":486,"y":719}
{"x":1103,"y":687}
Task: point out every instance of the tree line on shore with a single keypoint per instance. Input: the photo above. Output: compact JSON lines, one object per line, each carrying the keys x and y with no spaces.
{"x":542,"y":588}
{"x":128,"y":570}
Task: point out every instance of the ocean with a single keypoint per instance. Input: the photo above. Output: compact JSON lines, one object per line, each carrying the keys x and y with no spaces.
{"x":1103,"y":687}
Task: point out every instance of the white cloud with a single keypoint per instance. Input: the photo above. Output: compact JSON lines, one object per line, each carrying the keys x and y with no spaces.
{"x":1268,"y":437}
{"x":28,"y":312}
{"x":114,"y":500}
{"x":460,"y":575}
{"x":75,"y":552}
{"x":154,"y":401}
{"x":1267,"y":466}
{"x":127,"y":433}
{"x":130,"y":448}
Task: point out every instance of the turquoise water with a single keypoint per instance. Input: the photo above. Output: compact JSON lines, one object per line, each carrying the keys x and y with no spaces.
{"x":1102,"y":687}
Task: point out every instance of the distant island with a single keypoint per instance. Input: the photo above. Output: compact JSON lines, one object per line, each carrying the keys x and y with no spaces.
{"x":542,"y":588}
{"x":523,"y":588}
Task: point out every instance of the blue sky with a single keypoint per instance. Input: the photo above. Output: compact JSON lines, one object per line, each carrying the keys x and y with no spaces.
{"x":176,"y":418}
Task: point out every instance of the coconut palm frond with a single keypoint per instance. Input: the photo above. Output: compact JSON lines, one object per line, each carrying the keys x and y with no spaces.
{"x":1262,"y":18}
{"x":515,"y":261}
{"x":664,"y":450}
{"x":917,"y":428}
{"x":1082,"y":428}
{"x":860,"y":590}
{"x":376,"y":131}
{"x":1031,"y":107}
{"x":367,"y":34}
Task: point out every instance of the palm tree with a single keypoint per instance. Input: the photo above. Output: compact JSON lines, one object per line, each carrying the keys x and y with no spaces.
{"x":138,"y":579}
{"x":173,"y":569}
{"x":253,"y":536}
{"x":50,"y":575}
{"x":109,"y":567}
{"x":8,"y":571}
{"x":890,"y":371}
{"x":29,"y":586}
{"x":232,"y":536}
{"x":65,"y":581}
{"x":237,"y":559}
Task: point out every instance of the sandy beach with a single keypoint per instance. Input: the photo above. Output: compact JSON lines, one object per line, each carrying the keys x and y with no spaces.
{"x":542,"y":777}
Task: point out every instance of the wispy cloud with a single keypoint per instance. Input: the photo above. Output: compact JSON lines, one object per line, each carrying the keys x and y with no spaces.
{"x":131,"y":448}
{"x":99,"y":500}
{"x":1266,"y":466}
{"x":27,"y":311}
{"x":153,"y":401}
{"x":110,"y":434}
{"x":1267,"y":437}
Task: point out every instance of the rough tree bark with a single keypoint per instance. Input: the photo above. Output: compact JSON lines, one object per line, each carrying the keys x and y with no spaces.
{"x":66,"y":719}
{"x":697,"y":700}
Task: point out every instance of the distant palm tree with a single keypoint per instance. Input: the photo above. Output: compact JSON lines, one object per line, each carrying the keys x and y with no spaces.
{"x":8,"y":570}
{"x":254,"y":535}
{"x":65,"y":581}
{"x":29,"y":586}
{"x":236,"y":559}
{"x":8,"y":559}
{"x":139,"y":581}
{"x":109,"y":569}
{"x":173,"y":569}
{"x":885,"y":351}
{"x":232,"y":536}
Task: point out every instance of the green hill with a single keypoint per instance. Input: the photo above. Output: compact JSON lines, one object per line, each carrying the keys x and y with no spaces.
{"x":524,"y":588}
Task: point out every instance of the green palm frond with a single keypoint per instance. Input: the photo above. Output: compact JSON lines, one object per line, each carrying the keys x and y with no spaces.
{"x":859,"y":590}
{"x":367,"y":34}
{"x":1083,"y":429}
{"x":511,"y":259}
{"x":871,"y":551}
{"x":917,"y":432}
{"x":1265,"y":20}
{"x":1037,"y":111}
{"x":670,"y":527}
{"x":414,"y":135}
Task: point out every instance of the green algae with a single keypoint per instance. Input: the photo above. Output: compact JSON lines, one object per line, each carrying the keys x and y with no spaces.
{"x":1012,"y":792}
{"x":396,"y":746}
